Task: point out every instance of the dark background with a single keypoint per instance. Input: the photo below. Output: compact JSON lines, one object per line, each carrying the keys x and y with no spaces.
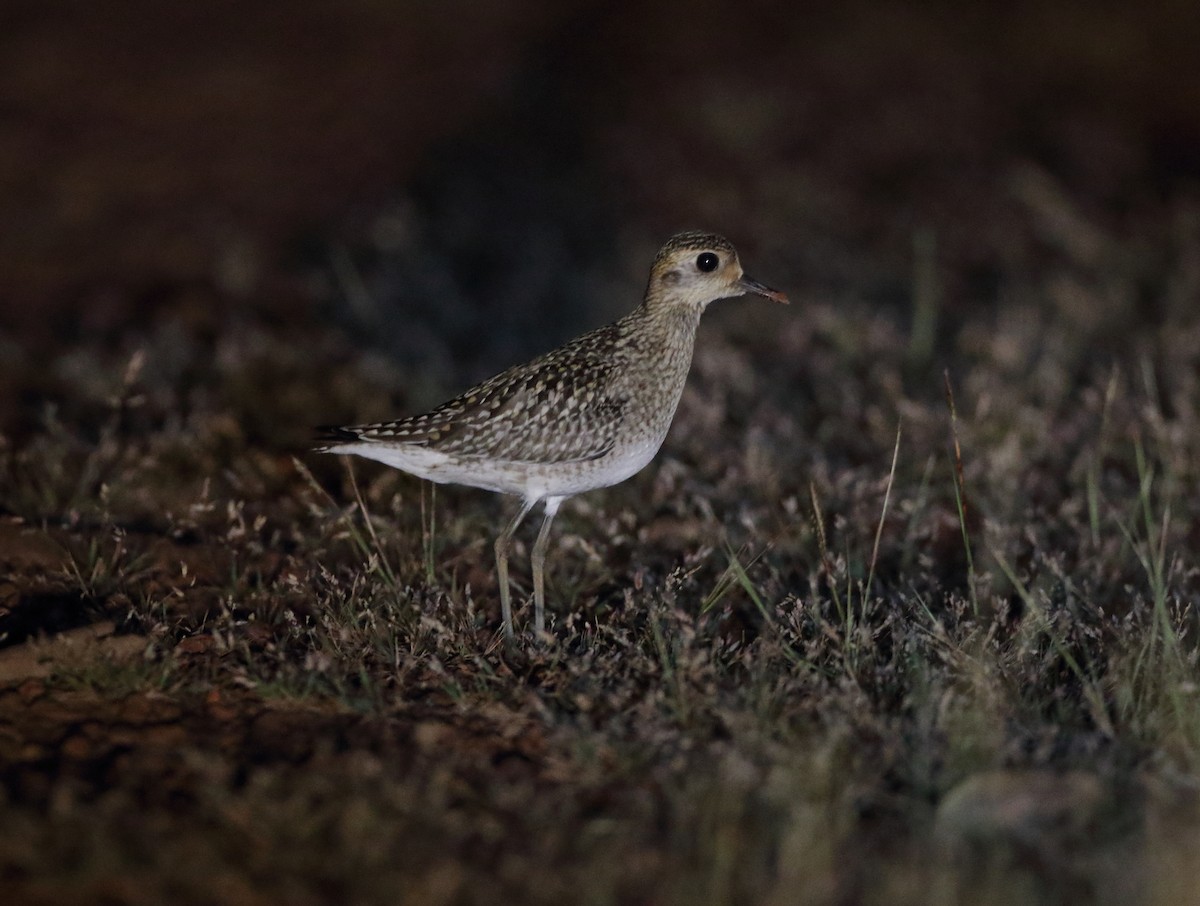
{"x":498,"y":175}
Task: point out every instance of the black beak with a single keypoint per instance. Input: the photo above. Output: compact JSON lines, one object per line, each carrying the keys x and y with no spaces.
{"x":754,"y":288}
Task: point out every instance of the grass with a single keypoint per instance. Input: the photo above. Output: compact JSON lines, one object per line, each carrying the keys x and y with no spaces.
{"x":729,"y":714}
{"x":805,"y":657}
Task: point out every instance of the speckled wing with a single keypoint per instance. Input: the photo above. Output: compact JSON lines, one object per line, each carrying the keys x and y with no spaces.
{"x":559,"y":408}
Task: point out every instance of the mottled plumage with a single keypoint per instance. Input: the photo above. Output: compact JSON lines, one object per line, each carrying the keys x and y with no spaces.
{"x":586,"y":415}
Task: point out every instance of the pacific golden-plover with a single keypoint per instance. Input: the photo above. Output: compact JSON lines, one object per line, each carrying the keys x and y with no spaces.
{"x":584,"y":416}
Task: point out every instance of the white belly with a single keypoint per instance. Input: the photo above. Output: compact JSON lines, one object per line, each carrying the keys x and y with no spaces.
{"x":524,"y":479}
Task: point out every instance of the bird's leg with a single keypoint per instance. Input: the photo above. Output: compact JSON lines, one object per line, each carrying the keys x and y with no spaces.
{"x":503,"y":540}
{"x":539,"y":562}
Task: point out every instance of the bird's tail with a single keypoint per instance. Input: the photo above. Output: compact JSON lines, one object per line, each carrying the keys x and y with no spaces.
{"x":331,"y":436}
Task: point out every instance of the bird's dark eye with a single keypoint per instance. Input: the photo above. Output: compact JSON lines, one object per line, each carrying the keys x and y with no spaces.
{"x":708,"y":262}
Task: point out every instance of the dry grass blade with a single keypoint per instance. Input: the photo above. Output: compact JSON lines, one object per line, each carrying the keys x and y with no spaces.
{"x":960,"y":492}
{"x":887,"y":496}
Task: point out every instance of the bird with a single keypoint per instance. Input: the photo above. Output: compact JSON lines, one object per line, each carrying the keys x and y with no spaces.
{"x":584,"y":416}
